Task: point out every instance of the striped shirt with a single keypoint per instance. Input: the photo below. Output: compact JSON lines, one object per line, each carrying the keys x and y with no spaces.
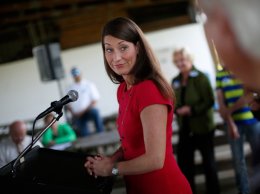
{"x":232,"y":89}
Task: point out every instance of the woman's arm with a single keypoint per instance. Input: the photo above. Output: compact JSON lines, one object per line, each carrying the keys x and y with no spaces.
{"x":118,"y":155}
{"x":154,"y":122}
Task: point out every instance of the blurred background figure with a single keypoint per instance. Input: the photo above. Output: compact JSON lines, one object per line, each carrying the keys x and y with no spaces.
{"x":234,"y":27}
{"x":84,"y":109}
{"x":241,"y":124}
{"x":194,"y":113}
{"x":15,"y":143}
{"x":58,"y":133}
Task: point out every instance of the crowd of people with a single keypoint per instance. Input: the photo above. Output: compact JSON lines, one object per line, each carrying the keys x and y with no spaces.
{"x":148,"y":103}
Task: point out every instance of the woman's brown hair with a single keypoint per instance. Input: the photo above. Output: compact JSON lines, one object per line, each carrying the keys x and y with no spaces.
{"x":147,"y":67}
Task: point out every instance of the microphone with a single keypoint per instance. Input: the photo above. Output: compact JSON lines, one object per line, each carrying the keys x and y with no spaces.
{"x":57,"y":105}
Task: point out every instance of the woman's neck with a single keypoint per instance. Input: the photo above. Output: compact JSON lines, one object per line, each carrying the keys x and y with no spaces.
{"x":128,"y":81}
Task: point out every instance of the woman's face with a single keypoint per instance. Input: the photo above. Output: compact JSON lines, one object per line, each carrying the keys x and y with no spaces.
{"x":120,"y":55}
{"x":182,"y":63}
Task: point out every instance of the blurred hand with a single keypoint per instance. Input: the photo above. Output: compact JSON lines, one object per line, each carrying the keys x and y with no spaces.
{"x":99,"y":166}
{"x":51,"y":143}
{"x":184,"y":111}
{"x":232,"y":130}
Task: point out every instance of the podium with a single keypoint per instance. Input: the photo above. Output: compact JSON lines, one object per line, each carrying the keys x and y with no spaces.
{"x":47,"y":171}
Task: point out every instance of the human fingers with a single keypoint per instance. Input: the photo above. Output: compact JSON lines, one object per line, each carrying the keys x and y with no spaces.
{"x":99,"y":157}
{"x":88,"y":167}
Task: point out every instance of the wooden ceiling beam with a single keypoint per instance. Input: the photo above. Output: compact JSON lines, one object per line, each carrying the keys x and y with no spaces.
{"x":78,"y":22}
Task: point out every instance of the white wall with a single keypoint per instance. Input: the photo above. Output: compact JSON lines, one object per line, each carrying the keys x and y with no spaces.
{"x":191,"y":36}
{"x":24,"y":96}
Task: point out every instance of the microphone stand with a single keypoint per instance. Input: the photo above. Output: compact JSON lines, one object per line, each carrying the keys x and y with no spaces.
{"x":34,"y":140}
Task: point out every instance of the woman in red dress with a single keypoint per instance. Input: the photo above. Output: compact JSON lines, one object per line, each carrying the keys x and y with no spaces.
{"x":145,"y":158}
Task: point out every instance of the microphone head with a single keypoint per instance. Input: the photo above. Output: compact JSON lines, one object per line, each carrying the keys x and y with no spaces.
{"x":73,"y":95}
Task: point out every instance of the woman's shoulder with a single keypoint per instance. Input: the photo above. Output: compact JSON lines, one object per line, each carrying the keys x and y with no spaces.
{"x":147,"y":88}
{"x":147,"y":93}
{"x":198,"y":75}
{"x":146,"y":84}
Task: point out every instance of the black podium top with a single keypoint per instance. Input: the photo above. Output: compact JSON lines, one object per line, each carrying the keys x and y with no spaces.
{"x":50,"y":171}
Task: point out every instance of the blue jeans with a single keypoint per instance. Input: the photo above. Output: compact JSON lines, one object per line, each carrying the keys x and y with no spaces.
{"x":248,"y":132}
{"x":92,"y":114}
